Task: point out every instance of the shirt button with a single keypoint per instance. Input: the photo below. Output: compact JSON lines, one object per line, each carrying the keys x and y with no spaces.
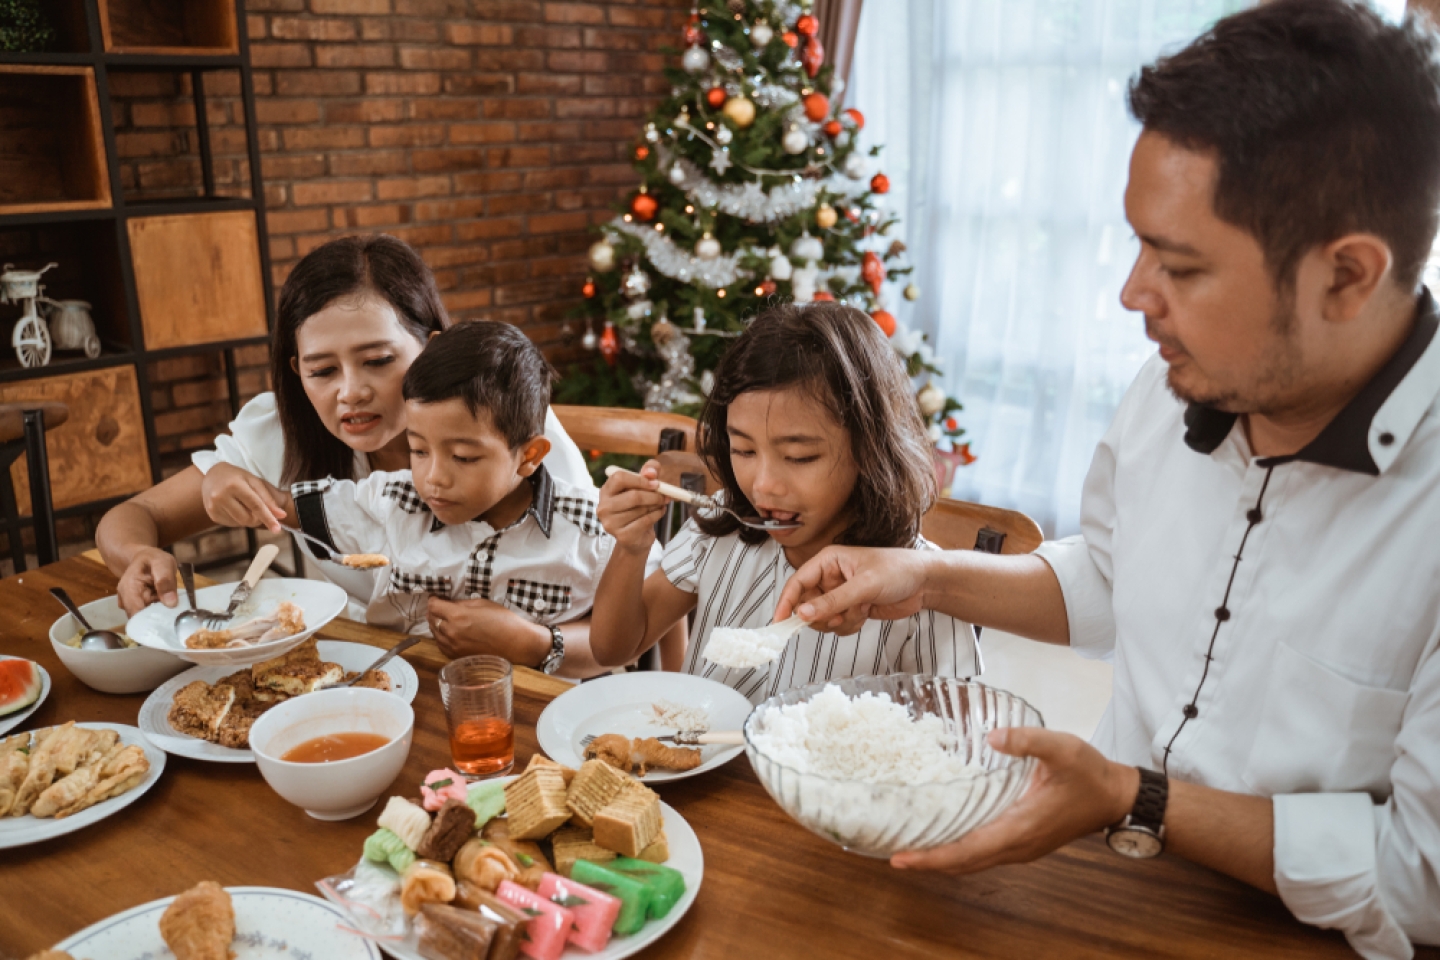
{"x":1254,"y":515}
{"x":1222,"y":614}
{"x":539,"y":606}
{"x":1387,"y":438}
{"x":1191,"y":711}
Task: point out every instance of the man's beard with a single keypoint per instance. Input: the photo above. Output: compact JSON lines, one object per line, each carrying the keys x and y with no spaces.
{"x":1268,"y":391}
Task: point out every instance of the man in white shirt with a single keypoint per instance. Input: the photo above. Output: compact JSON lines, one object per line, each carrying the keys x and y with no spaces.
{"x":1258,"y":553}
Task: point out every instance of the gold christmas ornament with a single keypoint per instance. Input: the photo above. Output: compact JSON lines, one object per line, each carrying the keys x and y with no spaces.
{"x":740,"y":111}
{"x":662,"y":331}
{"x":602,"y":256}
{"x":912,"y":292}
{"x":931,"y":399}
{"x":825,"y":216}
{"x":896,"y":248}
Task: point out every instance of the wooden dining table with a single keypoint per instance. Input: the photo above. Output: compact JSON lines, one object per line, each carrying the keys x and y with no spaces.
{"x":770,"y":889}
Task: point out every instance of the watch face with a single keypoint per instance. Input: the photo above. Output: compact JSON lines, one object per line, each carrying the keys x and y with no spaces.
{"x":1138,"y":844}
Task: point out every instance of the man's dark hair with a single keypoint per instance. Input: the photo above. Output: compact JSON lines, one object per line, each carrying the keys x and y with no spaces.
{"x":491,"y":366}
{"x":1324,"y":119}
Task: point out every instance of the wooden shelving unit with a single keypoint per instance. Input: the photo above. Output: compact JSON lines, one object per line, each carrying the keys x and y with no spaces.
{"x":148,"y":269}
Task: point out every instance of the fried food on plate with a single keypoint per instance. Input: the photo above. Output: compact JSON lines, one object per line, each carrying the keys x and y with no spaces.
{"x":641,"y":755}
{"x":200,"y":923}
{"x":285,"y":620}
{"x":364,"y":561}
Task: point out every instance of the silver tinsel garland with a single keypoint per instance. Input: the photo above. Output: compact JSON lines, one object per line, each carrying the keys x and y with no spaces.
{"x":678,"y":264}
{"x":748,"y":201}
{"x":673,"y":385}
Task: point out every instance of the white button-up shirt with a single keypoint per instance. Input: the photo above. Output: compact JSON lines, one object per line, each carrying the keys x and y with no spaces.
{"x":1274,"y":625}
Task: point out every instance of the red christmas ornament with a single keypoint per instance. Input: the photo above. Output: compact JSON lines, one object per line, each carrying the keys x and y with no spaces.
{"x":856,"y":117}
{"x":693,"y":34}
{"x":950,"y":423}
{"x":641,"y":152}
{"x":824,"y":295}
{"x":884,"y":318}
{"x":610,"y":344}
{"x":834,"y":128}
{"x":852,"y":214}
{"x":588,"y":289}
{"x":791,"y":39}
{"x":807,"y":26}
{"x":766,"y":288}
{"x":880,"y":183}
{"x":716,"y":97}
{"x":813,"y":56}
{"x":644,"y":206}
{"x":872,"y":271}
{"x":966,"y":457}
{"x":817,"y":105}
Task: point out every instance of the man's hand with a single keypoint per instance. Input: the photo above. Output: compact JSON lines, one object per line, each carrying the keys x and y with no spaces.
{"x":234,"y":498}
{"x":464,"y":628}
{"x":1073,"y":792}
{"x":150,"y":577}
{"x":842,"y":587}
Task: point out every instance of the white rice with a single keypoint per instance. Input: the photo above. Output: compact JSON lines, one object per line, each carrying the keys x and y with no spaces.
{"x":678,"y":716}
{"x":870,"y":739}
{"x":739,"y":648}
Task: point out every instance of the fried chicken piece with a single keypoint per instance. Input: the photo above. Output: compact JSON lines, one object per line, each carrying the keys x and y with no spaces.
{"x":285,"y":620}
{"x":199,"y":709}
{"x":613,"y":748}
{"x":640,"y":755}
{"x":299,"y":671}
{"x":364,"y":561}
{"x":200,"y":923}
{"x":374,"y":679}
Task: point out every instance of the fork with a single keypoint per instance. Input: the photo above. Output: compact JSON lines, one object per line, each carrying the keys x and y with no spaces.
{"x":390,"y":654}
{"x":263,"y":558}
{"x":709,"y":503}
{"x":730,"y":738}
{"x":335,"y":555}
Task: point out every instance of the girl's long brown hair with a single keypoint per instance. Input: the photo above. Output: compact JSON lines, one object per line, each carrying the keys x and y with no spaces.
{"x":376,"y":265}
{"x":840,"y":358}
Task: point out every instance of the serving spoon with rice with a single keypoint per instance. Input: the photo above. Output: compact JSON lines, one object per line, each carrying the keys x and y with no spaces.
{"x":710,"y":503}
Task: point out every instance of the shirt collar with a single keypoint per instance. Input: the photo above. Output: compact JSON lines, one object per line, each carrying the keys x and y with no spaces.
{"x":1369,"y":433}
{"x":542,"y":504}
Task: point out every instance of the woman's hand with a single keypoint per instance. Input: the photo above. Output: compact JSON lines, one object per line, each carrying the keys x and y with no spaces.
{"x":842,"y":587}
{"x":150,"y":577}
{"x":630,"y":507}
{"x":235,"y":498}
{"x":464,"y":628}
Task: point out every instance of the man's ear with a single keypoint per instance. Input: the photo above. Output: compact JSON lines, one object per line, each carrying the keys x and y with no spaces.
{"x":1358,"y":264}
{"x":532,"y":453}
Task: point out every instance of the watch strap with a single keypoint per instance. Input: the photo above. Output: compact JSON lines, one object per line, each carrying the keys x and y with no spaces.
{"x":1149,"y":810}
{"x":556,"y":656}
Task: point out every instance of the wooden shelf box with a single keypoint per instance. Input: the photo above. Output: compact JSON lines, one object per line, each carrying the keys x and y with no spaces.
{"x":169,"y":26}
{"x":197,"y":277}
{"x":100,"y":451}
{"x":52,"y":151}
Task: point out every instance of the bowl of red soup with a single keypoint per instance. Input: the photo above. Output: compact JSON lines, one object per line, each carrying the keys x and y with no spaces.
{"x":333,"y":753}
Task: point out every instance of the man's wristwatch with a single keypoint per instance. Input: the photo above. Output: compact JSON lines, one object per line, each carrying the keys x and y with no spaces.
{"x":556,"y":656}
{"x":1141,"y":834}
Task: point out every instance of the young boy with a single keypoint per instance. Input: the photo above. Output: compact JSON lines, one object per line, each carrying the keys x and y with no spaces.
{"x":477,"y":515}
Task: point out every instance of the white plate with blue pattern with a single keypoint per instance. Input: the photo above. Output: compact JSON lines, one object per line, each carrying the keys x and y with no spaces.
{"x":270,"y":924}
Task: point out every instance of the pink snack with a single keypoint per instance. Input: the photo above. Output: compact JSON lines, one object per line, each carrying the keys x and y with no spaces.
{"x":595,"y":912}
{"x":549,"y":926}
{"x":433,"y":798}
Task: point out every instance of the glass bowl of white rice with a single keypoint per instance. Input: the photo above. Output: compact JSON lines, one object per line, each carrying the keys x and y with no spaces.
{"x":884,"y":764}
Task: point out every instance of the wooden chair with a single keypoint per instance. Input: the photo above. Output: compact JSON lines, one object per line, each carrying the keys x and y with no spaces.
{"x":22,"y":430}
{"x":960,"y":525}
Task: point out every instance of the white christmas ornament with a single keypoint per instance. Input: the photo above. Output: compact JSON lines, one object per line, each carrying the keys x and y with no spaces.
{"x":708,"y":248}
{"x":636,"y":283}
{"x":588,"y":341}
{"x":723,"y":135}
{"x":677,"y":175}
{"x":912,"y":292}
{"x":720,"y":162}
{"x":651,"y":133}
{"x":707,"y":382}
{"x":695,"y":60}
{"x":807,"y":247}
{"x":602,"y":256}
{"x":802,"y":282}
{"x":795,"y":140}
{"x":856,"y":167}
{"x":931,"y":399}
{"x":761,"y":35}
{"x":638,"y":309}
{"x":780,"y":266}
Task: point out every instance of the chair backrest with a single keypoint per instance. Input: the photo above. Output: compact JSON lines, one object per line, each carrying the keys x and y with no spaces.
{"x":623,"y":430}
{"x":960,"y":525}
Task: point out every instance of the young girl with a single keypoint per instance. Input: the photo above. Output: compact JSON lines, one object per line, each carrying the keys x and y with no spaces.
{"x":811,"y":419}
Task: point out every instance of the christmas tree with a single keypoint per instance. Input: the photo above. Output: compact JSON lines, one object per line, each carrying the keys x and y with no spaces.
{"x":23,"y":28}
{"x":753,"y":189}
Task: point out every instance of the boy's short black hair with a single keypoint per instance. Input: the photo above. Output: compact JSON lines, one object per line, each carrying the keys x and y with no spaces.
{"x":1324,"y":119}
{"x":491,"y":366}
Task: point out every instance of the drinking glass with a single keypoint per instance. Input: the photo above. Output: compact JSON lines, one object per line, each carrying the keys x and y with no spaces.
{"x":478,"y":696}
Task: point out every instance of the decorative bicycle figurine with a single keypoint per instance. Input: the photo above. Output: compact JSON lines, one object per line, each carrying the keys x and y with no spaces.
{"x":31,"y":338}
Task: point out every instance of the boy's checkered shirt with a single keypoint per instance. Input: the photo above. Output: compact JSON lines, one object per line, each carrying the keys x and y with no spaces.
{"x":545,"y":566}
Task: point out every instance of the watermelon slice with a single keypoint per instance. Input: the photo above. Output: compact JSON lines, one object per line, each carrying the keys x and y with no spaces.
{"x":19,"y":685}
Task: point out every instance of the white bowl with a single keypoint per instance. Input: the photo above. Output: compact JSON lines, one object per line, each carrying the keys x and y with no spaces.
{"x":321,"y":602}
{"x":879,"y":819}
{"x":133,"y":670}
{"x":343,"y":788}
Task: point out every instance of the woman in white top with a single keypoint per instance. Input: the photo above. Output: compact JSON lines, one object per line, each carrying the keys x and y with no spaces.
{"x":353,"y":315}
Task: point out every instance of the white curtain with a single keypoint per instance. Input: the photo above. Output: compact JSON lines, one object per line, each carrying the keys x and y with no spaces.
{"x":1007,"y":140}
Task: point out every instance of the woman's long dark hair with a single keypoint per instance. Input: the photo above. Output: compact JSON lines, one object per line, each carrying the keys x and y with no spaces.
{"x":840,"y":358}
{"x":351,"y":266}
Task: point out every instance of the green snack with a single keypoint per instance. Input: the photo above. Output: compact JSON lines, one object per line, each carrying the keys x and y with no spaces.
{"x":666,"y":884}
{"x":487,"y":800}
{"x":633,"y":895}
{"x":385,"y":846}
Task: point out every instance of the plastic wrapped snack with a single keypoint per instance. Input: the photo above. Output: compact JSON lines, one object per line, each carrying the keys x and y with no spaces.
{"x":633,"y":895}
{"x":526,"y":854}
{"x":370,"y":895}
{"x":666,"y":885}
{"x":444,"y":932}
{"x":510,"y":922}
{"x":595,"y":912}
{"x":485,"y":865}
{"x":547,"y":930}
{"x":384,"y":846}
{"x":487,"y":799}
{"x":406,"y":820}
{"x":425,"y":881}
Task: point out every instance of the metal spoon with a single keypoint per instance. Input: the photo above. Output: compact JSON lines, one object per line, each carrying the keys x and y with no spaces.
{"x":91,"y":639}
{"x":335,"y":556}
{"x":710,"y":503}
{"x":390,"y":654}
{"x":188,"y":621}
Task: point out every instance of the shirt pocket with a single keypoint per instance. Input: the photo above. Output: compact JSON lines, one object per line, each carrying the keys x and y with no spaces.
{"x":537,"y":600}
{"x":1321,"y":732}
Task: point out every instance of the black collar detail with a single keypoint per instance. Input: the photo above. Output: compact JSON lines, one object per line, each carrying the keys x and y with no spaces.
{"x":1345,"y":442}
{"x":542,"y":503}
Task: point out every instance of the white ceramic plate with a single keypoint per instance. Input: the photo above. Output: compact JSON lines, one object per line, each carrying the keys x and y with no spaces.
{"x":321,"y":602}
{"x":18,"y":831}
{"x":685,"y":856}
{"x":269,"y":923}
{"x":621,"y":703}
{"x":155,"y":711}
{"x":12,"y":720}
